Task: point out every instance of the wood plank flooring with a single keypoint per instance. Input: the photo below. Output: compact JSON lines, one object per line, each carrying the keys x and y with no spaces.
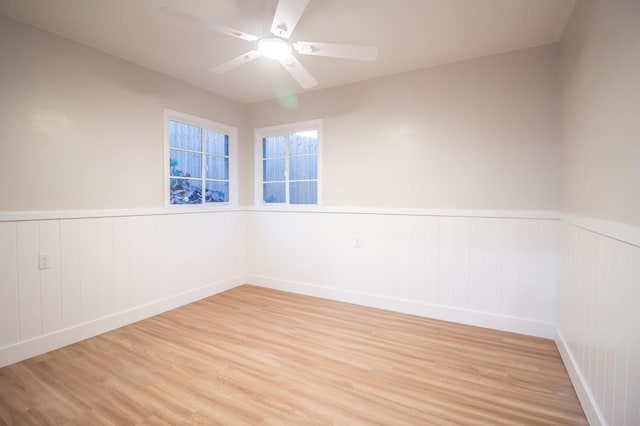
{"x":258,"y":356}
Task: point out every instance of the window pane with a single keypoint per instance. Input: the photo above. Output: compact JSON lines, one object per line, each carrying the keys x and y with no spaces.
{"x":185,"y":191}
{"x":186,"y":136}
{"x":216,"y":143}
{"x":274,"y":146}
{"x":303,"y":142}
{"x":273,"y":169}
{"x":303,"y":167}
{"x":217,"y":192}
{"x":303,"y":193}
{"x":273,"y":192}
{"x":187,"y":164}
{"x":217,"y":167}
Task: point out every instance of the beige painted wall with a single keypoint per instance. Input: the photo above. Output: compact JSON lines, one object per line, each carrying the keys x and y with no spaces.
{"x":84,"y":130}
{"x":478,"y":134}
{"x":601,"y":111}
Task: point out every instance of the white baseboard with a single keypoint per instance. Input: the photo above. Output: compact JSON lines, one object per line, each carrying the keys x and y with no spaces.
{"x":445,"y":313}
{"x":41,"y":344}
{"x":589,"y":405}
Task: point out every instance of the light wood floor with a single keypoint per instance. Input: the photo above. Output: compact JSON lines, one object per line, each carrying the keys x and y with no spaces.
{"x":258,"y":356}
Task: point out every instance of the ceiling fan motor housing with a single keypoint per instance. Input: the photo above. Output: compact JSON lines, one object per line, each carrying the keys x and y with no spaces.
{"x":274,"y":48}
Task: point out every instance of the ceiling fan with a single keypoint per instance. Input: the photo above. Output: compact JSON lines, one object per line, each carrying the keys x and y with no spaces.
{"x":277,"y":45}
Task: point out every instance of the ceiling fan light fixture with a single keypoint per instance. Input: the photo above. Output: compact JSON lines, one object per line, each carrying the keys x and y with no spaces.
{"x":274,"y":48}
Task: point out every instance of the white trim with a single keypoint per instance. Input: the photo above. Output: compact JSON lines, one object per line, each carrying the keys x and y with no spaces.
{"x":208,"y":208}
{"x":629,"y":234}
{"x":504,"y":214}
{"x":412,"y":307}
{"x":587,"y":400}
{"x":85,"y":214}
{"x":265,"y":132}
{"x":231,"y":131}
{"x":48,"y":342}
{"x":626,"y":233}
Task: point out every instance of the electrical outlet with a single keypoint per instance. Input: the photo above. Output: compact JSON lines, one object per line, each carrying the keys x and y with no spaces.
{"x":44,"y":260}
{"x":357,"y":243}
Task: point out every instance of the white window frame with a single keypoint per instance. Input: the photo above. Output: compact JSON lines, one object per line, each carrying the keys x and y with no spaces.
{"x":232,"y":132}
{"x":279,"y":130}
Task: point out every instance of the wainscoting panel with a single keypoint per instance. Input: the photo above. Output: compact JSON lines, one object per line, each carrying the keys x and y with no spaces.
{"x":598,"y":324}
{"x":109,"y":271}
{"x":497,"y":272}
{"x":29,"y":300}
{"x":50,"y":285}
{"x":9,"y":323}
{"x":492,"y":270}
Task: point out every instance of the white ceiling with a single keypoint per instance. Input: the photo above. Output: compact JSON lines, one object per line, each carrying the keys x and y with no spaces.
{"x":410,"y":34}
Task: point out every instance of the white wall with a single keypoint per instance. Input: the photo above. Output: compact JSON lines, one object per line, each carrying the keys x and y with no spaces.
{"x":81,"y":161}
{"x":82,"y":129}
{"x":108,"y":272}
{"x":478,"y":134}
{"x":600,"y":104}
{"x":494,"y":271}
{"x":598,"y":319}
{"x":476,"y":138}
{"x":599,"y":272}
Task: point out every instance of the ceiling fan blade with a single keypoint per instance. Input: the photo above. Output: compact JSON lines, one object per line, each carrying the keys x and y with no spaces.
{"x":207,"y":24}
{"x":298,"y":72}
{"x":288,"y":13}
{"x":347,"y":51}
{"x":235,"y":62}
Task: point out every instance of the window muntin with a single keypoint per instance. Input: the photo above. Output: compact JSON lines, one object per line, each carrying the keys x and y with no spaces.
{"x":199,"y":160}
{"x":289,"y":164}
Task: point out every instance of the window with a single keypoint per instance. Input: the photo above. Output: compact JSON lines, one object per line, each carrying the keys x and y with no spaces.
{"x":199,"y":160}
{"x":288,"y":164}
